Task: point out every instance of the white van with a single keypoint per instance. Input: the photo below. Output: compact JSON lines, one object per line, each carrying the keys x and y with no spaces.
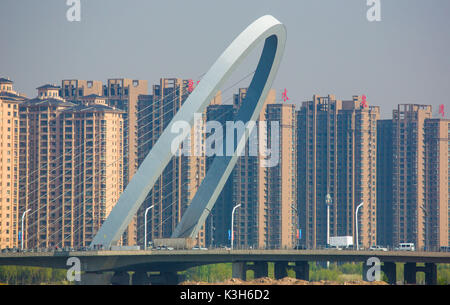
{"x":406,"y":247}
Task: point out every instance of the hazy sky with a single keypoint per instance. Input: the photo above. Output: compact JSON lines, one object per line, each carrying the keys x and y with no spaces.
{"x":331,"y":46}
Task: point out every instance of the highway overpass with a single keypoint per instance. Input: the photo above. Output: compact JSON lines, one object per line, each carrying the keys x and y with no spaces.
{"x":96,"y":263}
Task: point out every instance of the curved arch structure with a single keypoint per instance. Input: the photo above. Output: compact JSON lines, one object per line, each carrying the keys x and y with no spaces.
{"x":273,"y":33}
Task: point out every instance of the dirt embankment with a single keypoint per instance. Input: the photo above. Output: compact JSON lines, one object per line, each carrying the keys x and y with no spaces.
{"x":284,"y":281}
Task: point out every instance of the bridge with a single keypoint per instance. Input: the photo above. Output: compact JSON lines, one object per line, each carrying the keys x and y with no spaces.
{"x":114,"y":267}
{"x":97,"y":265}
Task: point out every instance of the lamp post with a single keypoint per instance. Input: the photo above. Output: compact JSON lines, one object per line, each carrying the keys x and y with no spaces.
{"x":232,"y":225}
{"x":212,"y":230}
{"x":426,"y":226}
{"x":23,"y":219}
{"x":145,"y":226}
{"x":296,"y":213}
{"x":356,"y":220}
{"x":328,"y":202}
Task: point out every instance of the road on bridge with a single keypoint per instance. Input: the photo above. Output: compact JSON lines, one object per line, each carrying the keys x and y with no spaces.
{"x":177,"y":260}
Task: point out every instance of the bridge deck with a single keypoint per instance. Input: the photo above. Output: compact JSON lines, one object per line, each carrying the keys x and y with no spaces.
{"x":181,"y":259}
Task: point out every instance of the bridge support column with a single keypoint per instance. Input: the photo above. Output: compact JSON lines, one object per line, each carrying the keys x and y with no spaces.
{"x":261,"y":270}
{"x":164,"y":278}
{"x":140,"y":278}
{"x":390,"y":270}
{"x":238,"y":270}
{"x":94,"y":278}
{"x":280,"y":270}
{"x":430,"y":274}
{"x":301,"y":271}
{"x":409,"y":273}
{"x":120,"y":278}
{"x":365,"y":268}
{"x":170,"y":278}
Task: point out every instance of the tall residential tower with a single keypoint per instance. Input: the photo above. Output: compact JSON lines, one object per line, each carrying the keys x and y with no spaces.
{"x":73,"y":167}
{"x":337,"y":156}
{"x":10,"y":213}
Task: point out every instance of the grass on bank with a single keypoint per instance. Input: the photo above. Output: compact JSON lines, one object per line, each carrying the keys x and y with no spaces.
{"x":336,"y":272}
{"x":16,"y":275}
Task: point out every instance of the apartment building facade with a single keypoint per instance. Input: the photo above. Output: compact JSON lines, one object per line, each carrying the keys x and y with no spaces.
{"x":413,"y":190}
{"x":279,"y":214}
{"x":181,"y":178}
{"x":74,"y":175}
{"x":265,"y":217}
{"x":384,"y":182}
{"x":337,"y":156}
{"x":408,"y":177}
{"x":218,"y":224}
{"x":122,"y":94}
{"x":10,"y":214}
{"x":437,"y":183}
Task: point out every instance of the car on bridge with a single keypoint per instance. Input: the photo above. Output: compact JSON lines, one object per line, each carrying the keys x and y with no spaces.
{"x":10,"y":250}
{"x":444,"y":249}
{"x":406,"y":247}
{"x":377,"y":248}
{"x":300,"y":247}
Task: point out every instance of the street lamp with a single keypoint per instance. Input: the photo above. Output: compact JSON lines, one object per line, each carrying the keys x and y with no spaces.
{"x":426,"y":226}
{"x":23,"y":218}
{"x":232,"y":224}
{"x":329,"y":202}
{"x":212,"y":230}
{"x":296,"y":230}
{"x":356,"y":218}
{"x":145,"y":226}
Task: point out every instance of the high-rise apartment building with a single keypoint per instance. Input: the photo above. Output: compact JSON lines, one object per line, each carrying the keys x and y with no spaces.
{"x":249,"y":187}
{"x":279,"y":214}
{"x":183,"y":175}
{"x":266,"y":195}
{"x":9,"y":164}
{"x":437,"y":183}
{"x":73,"y":167}
{"x":336,"y":156}
{"x":40,"y":166}
{"x":123,"y":94}
{"x":73,"y":89}
{"x":408,"y":173}
{"x":218,"y":223}
{"x":97,"y":130}
{"x":413,"y":167}
{"x":384,"y":182}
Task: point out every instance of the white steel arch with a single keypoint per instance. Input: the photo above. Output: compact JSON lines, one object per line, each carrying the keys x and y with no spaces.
{"x":273,"y":33}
